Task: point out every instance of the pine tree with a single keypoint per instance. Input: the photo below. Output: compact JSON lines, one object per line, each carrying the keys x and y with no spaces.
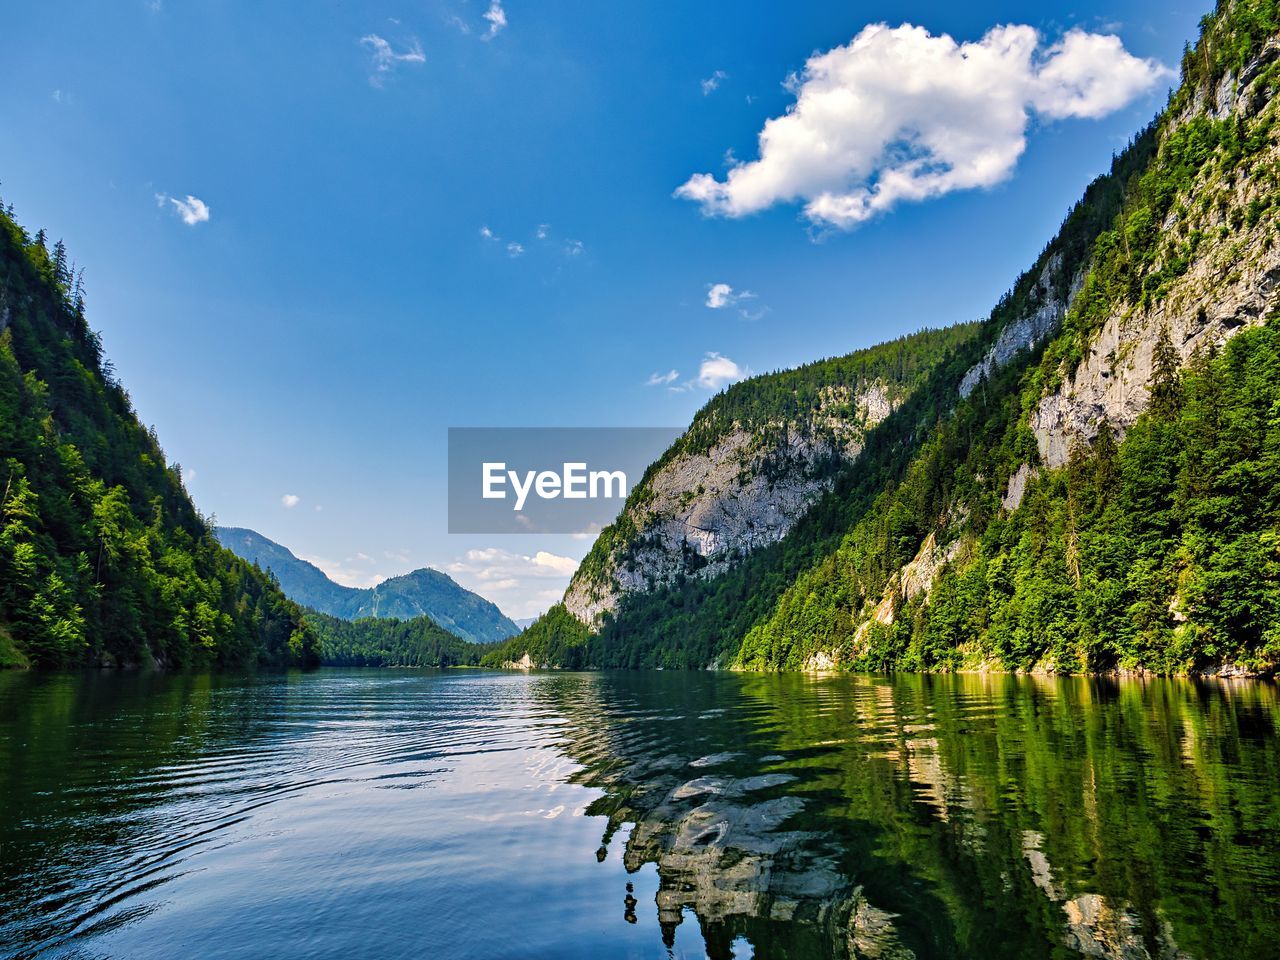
{"x":1166,"y":391}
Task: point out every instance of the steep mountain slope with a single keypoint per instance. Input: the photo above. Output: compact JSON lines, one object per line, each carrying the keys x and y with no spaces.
{"x":103,"y":557}
{"x":1117,"y":507}
{"x":756,"y":458}
{"x":1087,"y":484}
{"x":421,"y":593}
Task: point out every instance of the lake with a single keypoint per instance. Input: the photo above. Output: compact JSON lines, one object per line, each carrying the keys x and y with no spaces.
{"x":475,"y":814}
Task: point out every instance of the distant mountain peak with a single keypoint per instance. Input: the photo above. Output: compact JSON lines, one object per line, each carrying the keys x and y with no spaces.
{"x":423,"y":592}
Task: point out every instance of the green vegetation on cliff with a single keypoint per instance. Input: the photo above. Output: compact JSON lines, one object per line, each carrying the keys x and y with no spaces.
{"x":103,"y":557}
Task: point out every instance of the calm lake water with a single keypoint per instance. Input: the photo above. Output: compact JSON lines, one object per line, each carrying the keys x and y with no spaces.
{"x":352,"y":814}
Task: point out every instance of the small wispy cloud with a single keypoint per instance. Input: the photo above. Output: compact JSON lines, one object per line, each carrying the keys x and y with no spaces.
{"x":662,"y":379}
{"x":385,"y":58}
{"x":543,"y":231}
{"x":192,"y":210}
{"x":717,"y":370}
{"x":497,"y":18}
{"x":721,"y":296}
{"x":712,"y":83}
{"x":515,"y":249}
{"x":290,"y":500}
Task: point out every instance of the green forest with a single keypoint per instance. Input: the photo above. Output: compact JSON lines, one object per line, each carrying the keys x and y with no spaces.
{"x":388,"y":642}
{"x":103,"y":557}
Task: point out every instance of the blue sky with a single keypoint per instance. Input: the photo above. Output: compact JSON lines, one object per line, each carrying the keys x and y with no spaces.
{"x":412,"y":217}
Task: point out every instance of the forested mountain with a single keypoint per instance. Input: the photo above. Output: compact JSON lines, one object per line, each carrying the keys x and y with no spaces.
{"x":103,"y":557}
{"x":1089,"y":482}
{"x":387,"y":642}
{"x":421,"y":593}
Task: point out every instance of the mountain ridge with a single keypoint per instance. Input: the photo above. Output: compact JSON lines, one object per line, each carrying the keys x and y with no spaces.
{"x":423,"y":592}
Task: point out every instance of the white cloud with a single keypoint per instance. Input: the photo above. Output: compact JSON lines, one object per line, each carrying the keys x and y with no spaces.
{"x":543,"y":231}
{"x":456,"y":21}
{"x":710,"y":85}
{"x":515,"y":249}
{"x":385,"y":58}
{"x":497,"y":18}
{"x":662,"y":379}
{"x":488,"y":234}
{"x":562,"y":565}
{"x":192,"y":210}
{"x":901,"y":115}
{"x":718,"y":371}
{"x":573,"y":248}
{"x":721,"y":295}
{"x":290,"y":500}
{"x":526,"y":584}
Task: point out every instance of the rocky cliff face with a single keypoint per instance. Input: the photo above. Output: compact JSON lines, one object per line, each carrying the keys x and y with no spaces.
{"x":1231,"y":282}
{"x":1030,"y":329}
{"x":703,"y":510}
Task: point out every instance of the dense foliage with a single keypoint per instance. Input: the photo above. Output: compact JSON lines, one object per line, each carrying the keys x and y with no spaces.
{"x":1161,"y":552}
{"x":103,"y":557}
{"x":387,"y":642}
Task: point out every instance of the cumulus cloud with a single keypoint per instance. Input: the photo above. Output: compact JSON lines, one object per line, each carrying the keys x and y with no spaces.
{"x":662,"y":379}
{"x":192,"y":210}
{"x":497,"y":18}
{"x":524,"y":584}
{"x":515,"y":249}
{"x":385,"y":58}
{"x":290,"y":500}
{"x":901,"y":115}
{"x":717,"y":371}
{"x":712,"y":83}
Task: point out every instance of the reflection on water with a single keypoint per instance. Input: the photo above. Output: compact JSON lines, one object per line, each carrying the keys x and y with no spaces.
{"x":399,"y":813}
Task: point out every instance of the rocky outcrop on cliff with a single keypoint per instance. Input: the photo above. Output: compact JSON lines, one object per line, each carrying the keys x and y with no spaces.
{"x":1032,"y":328}
{"x":703,"y":510}
{"x":1231,"y":282}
